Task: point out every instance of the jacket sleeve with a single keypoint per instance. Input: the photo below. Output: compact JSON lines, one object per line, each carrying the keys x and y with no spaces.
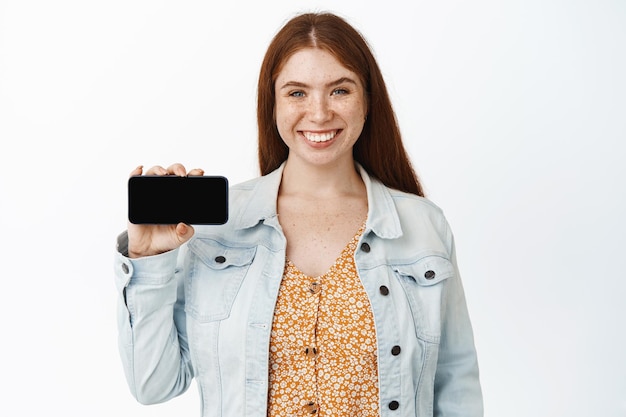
{"x":457,"y":385}
{"x":152,"y":333}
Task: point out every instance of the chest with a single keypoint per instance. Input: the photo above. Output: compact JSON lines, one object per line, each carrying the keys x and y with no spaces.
{"x":317,"y":232}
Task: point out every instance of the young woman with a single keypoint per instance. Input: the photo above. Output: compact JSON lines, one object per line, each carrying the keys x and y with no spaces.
{"x":333,"y":289}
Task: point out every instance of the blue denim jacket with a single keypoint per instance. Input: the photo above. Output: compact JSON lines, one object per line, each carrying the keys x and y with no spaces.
{"x":205,"y":310}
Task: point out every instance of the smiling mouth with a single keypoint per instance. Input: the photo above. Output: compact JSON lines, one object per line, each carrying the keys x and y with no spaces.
{"x":319,"y":137}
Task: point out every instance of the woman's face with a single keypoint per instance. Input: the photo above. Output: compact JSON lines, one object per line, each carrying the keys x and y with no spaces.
{"x":320,"y":108}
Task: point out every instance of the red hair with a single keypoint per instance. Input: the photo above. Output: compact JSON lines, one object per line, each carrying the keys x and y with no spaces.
{"x":379,"y":149}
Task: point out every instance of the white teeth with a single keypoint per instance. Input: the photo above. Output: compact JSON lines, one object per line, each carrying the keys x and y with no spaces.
{"x":319,"y":137}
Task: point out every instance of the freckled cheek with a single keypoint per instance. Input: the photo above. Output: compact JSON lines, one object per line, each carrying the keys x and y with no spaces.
{"x":285,"y":122}
{"x":354,"y":114}
{"x":354,"y":109}
{"x":286,"y":115}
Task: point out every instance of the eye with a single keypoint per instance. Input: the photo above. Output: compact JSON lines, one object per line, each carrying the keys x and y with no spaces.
{"x":296,"y":94}
{"x":339,"y":91}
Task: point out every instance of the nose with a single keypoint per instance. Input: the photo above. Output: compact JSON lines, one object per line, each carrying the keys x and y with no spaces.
{"x":320,"y":109}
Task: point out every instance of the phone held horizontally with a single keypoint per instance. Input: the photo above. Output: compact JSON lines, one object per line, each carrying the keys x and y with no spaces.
{"x":173,"y":199}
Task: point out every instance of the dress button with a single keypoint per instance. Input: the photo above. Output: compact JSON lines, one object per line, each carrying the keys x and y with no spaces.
{"x":395,"y":351}
{"x":365,"y":247}
{"x":220,"y":259}
{"x":125,"y":268}
{"x":429,"y":274}
{"x":310,"y":352}
{"x":384,"y":290}
{"x":315,"y":287}
{"x":394,"y":405}
{"x":311,"y":408}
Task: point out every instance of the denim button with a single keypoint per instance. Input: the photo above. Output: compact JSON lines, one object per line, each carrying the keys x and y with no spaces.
{"x":125,"y":268}
{"x":365,"y":247}
{"x":384,"y":290}
{"x":220,"y":259}
{"x":429,"y":274}
{"x":395,"y":351}
{"x":394,"y":405}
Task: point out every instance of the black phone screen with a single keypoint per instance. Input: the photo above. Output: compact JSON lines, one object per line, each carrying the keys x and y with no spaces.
{"x":172,"y":199}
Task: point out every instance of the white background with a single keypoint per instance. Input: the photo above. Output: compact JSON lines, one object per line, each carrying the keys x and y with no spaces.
{"x":514,"y":113}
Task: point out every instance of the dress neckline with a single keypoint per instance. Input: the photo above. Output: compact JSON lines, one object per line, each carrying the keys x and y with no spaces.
{"x":347,"y":250}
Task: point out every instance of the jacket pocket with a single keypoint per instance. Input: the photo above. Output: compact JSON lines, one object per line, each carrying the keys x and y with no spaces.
{"x":216,"y":272}
{"x":423,"y":282}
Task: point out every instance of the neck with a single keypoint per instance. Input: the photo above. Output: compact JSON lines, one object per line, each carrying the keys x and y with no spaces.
{"x":314,"y":181}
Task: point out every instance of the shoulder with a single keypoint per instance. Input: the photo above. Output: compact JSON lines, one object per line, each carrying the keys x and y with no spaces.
{"x":266,"y":184}
{"x":241,"y":193}
{"x":423,"y":224}
{"x":414,"y":202}
{"x":394,"y":208}
{"x":410,"y":207}
{"x":247,"y":185}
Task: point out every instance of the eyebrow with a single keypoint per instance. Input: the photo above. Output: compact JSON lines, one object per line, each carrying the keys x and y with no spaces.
{"x":338,"y":81}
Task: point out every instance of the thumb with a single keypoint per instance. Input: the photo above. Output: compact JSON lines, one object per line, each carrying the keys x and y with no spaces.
{"x":184,"y":232}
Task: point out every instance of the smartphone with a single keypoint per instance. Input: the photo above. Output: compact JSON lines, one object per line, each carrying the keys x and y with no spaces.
{"x":173,"y":199}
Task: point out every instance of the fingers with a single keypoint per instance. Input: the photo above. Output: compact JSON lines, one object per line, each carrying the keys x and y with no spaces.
{"x":196,"y":172}
{"x":136,"y":171}
{"x":157,"y":170}
{"x":177,"y":169}
{"x":174,"y":169}
{"x":184,"y":232}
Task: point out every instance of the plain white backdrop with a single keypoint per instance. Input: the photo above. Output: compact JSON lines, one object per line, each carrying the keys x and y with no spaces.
{"x":514,"y":113}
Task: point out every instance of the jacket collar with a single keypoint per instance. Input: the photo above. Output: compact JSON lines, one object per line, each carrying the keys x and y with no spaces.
{"x":382,"y":216}
{"x":261,"y":203}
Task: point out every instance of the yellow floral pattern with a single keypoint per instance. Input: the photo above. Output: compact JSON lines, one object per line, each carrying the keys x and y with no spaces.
{"x":323,"y":344}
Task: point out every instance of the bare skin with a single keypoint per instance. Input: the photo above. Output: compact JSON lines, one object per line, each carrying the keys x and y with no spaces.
{"x":318,"y":221}
{"x":321,"y":108}
{"x":147,"y":240}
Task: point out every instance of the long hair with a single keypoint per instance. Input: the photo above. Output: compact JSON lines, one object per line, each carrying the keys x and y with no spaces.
{"x":379,"y":149}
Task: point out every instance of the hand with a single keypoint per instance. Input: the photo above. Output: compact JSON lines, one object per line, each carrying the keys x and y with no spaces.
{"x":150,"y":239}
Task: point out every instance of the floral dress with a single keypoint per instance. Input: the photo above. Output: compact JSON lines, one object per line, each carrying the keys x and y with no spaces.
{"x":323,"y":344}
